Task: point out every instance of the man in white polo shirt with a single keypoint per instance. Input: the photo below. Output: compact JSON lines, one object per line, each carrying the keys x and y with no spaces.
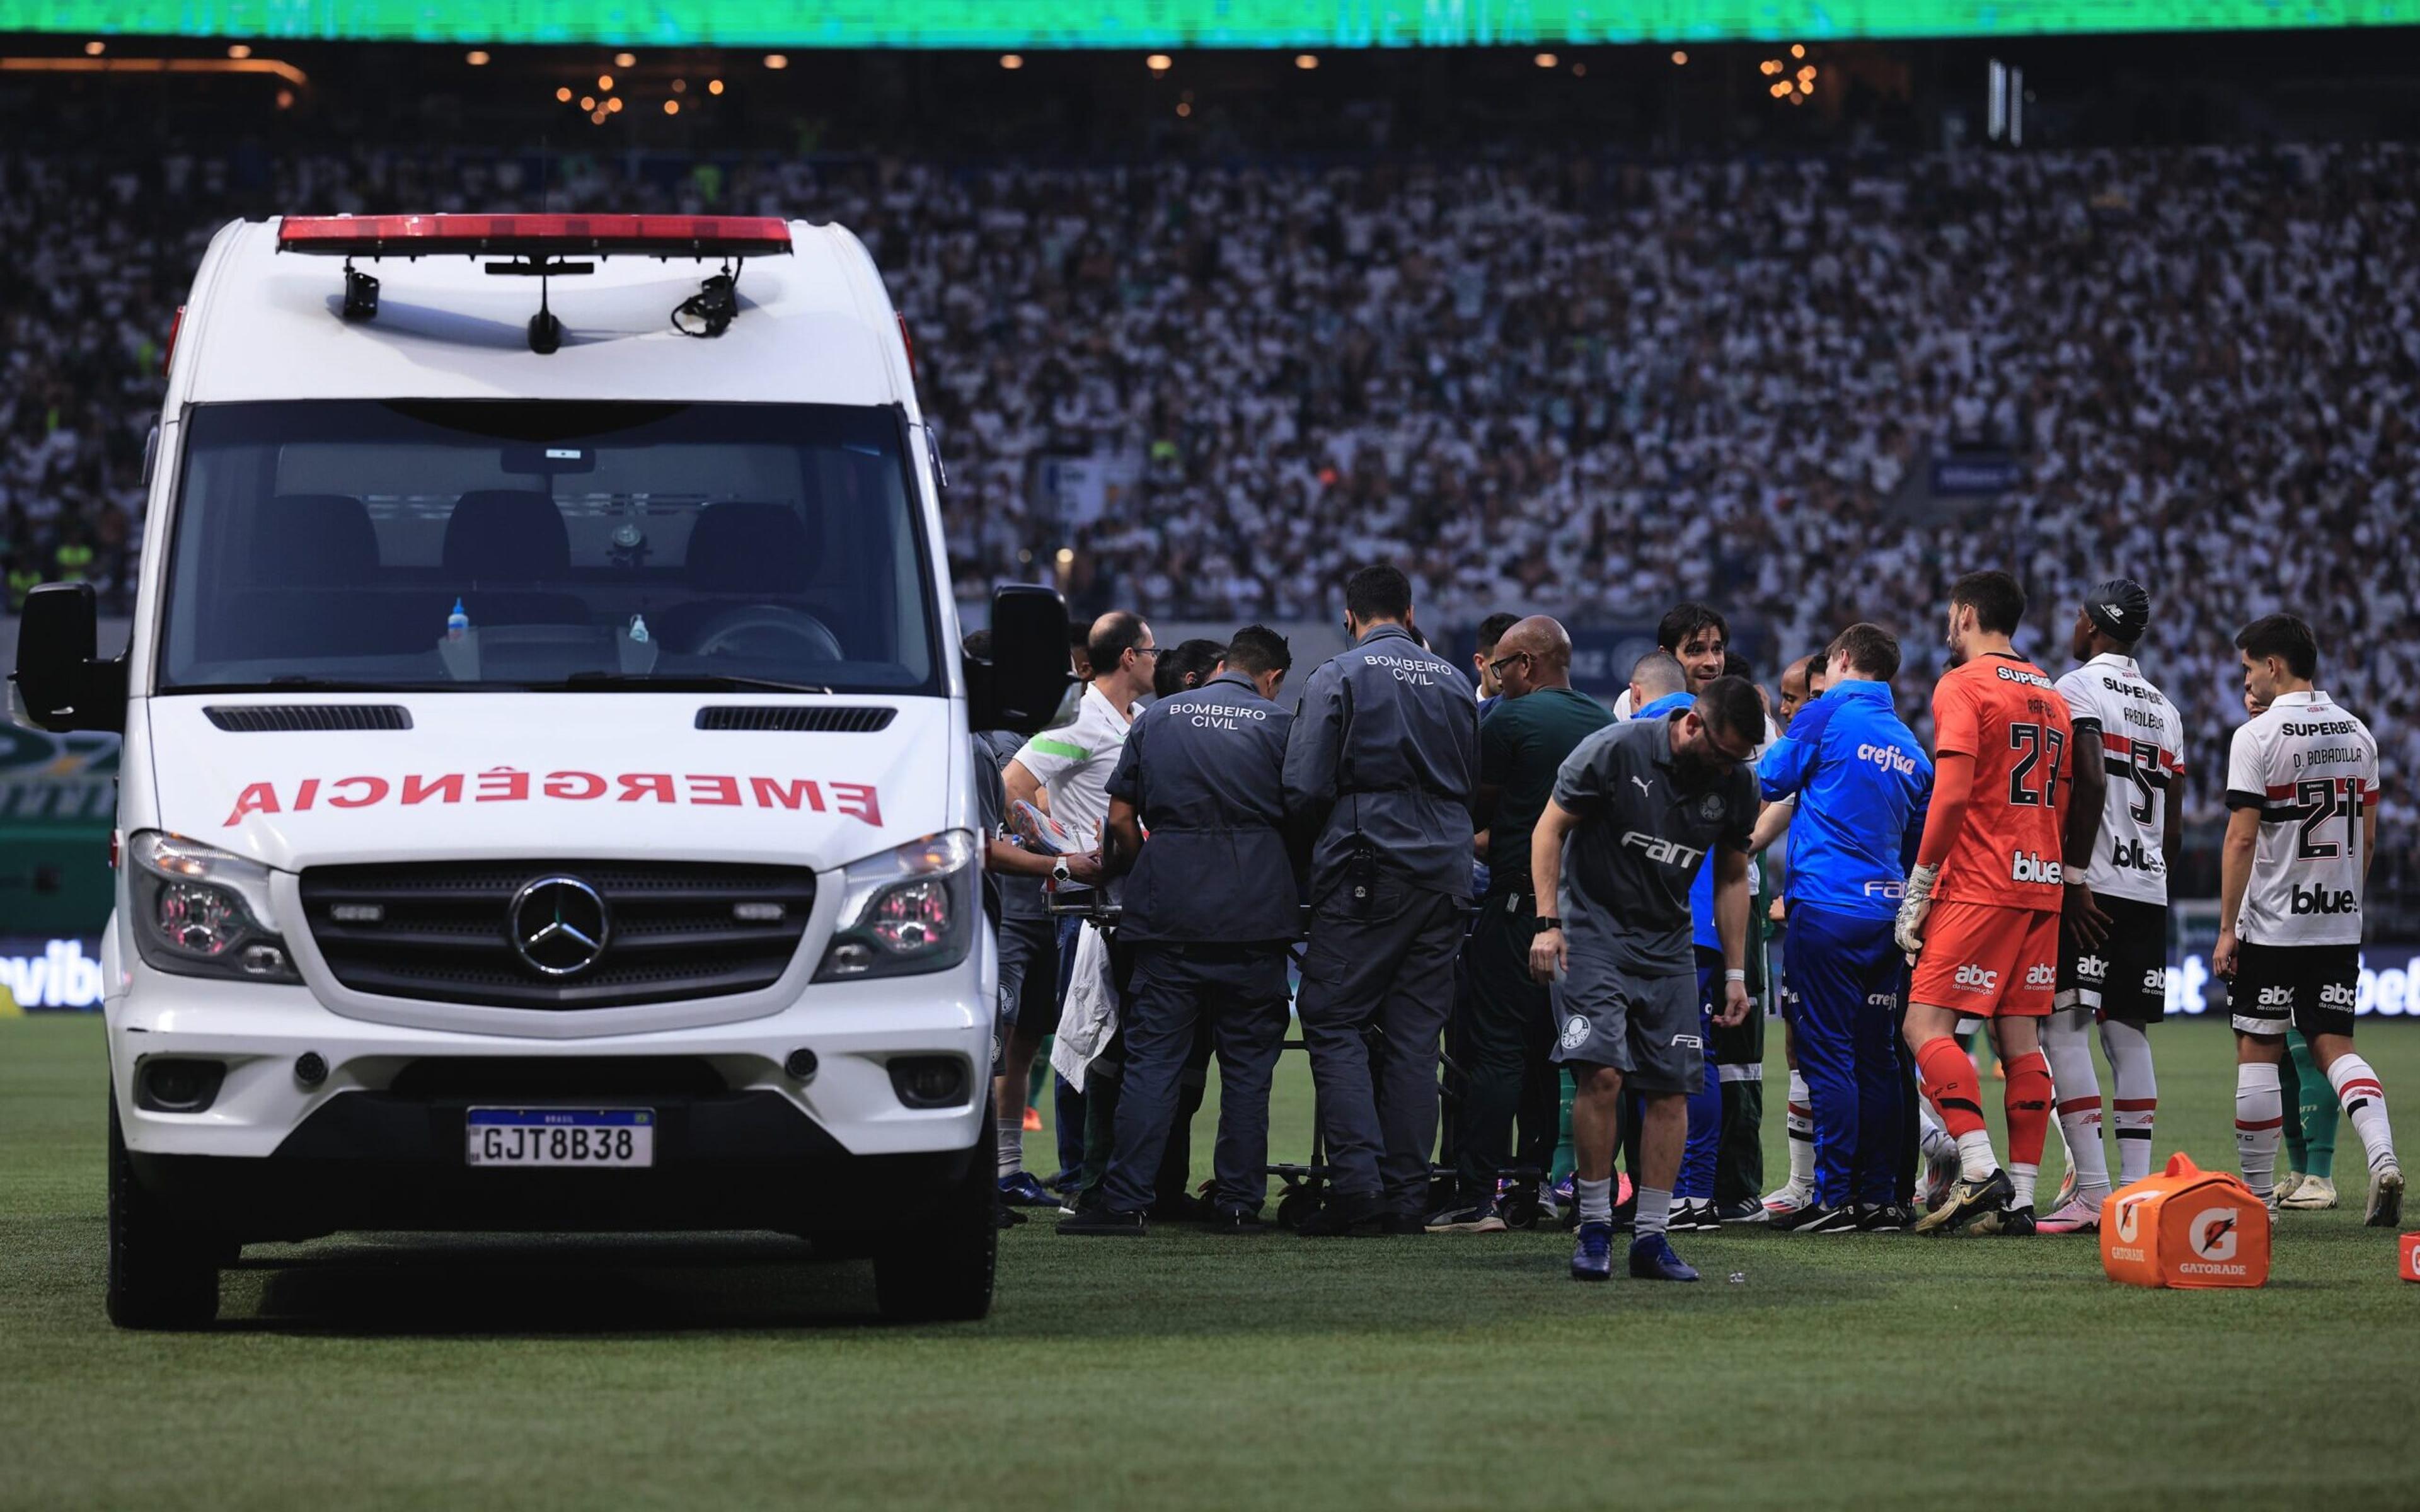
{"x":1066,"y":772}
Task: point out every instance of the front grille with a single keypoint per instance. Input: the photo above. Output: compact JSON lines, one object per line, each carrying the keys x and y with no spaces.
{"x":266,"y":719}
{"x":824,"y":719}
{"x":441,"y":931}
{"x":551,"y":1078}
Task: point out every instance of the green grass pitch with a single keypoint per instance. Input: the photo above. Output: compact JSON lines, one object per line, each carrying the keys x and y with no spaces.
{"x":1184,"y":1371}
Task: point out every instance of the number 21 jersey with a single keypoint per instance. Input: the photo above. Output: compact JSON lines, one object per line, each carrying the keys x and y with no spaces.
{"x":2311,"y":768}
{"x":2003,"y":712}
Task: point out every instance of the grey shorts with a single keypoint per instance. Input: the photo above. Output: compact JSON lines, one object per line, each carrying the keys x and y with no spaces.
{"x":1029,"y":970}
{"x":1644,"y":1027}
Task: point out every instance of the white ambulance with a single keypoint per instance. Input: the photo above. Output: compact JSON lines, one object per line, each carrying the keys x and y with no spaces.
{"x":547,"y":797}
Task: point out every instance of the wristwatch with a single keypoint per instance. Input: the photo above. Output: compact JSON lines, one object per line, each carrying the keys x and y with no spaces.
{"x":1059,"y":871}
{"x":1547,"y":921}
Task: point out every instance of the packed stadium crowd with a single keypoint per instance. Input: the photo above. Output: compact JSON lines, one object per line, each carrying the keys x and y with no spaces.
{"x":1587,"y":385}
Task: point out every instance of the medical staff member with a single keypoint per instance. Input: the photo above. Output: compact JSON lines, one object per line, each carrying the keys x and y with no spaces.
{"x":1209,"y":909}
{"x":1862,"y":784}
{"x":1381,"y":771}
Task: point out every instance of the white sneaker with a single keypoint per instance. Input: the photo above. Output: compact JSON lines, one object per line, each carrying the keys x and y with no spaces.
{"x":2306,"y":1194}
{"x":1787,"y":1200}
{"x":2385,"y":1195}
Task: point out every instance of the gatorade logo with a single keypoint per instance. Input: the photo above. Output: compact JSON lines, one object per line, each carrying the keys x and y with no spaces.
{"x":1977,"y":979}
{"x":2130,"y":1212}
{"x":2026,"y":866}
{"x":2044,"y":976}
{"x":2214,"y":1234}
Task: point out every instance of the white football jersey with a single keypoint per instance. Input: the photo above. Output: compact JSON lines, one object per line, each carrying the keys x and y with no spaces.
{"x":2311,"y":769}
{"x":2143,"y":749}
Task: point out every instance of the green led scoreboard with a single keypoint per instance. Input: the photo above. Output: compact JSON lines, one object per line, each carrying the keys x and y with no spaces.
{"x":1034,"y":24}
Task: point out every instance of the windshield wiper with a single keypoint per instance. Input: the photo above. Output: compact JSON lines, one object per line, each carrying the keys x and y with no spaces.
{"x":684,"y":683}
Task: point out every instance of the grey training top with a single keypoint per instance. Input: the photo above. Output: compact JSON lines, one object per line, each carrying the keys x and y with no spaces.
{"x":1628,"y":868}
{"x":1020,"y":897}
{"x":1384,"y":752}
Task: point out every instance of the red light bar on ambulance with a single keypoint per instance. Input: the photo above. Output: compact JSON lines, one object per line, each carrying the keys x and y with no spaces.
{"x":535,"y":236}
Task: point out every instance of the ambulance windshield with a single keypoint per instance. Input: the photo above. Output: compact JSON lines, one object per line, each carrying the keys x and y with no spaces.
{"x":552,"y":546}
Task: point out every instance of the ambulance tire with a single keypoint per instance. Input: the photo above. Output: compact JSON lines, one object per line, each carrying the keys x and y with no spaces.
{"x":940,"y":1271}
{"x":162,"y":1274}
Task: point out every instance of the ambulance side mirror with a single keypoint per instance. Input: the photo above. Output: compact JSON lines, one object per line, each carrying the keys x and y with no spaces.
{"x":59,"y":684}
{"x":1027,"y":678}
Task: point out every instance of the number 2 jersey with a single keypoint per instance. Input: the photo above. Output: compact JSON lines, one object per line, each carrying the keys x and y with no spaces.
{"x":2003,"y":712}
{"x":2140,"y":742}
{"x":2311,"y":769}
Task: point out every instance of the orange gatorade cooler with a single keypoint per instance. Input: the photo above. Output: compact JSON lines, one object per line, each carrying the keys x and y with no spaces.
{"x":2187,"y":1227}
{"x":2408,"y":1262}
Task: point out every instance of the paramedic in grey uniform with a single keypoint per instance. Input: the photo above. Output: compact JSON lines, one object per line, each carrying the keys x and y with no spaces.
{"x":1380,"y":773}
{"x":1637,"y":809}
{"x":1209,"y":909}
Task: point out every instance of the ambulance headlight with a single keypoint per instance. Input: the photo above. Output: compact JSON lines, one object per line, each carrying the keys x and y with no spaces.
{"x":906,"y":911}
{"x":201,"y":912}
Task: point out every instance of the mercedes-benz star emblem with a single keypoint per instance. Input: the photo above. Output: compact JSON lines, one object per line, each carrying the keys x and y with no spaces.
{"x":559,"y":925}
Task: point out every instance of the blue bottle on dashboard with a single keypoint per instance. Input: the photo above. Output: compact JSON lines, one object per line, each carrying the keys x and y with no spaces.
{"x":457,"y":623}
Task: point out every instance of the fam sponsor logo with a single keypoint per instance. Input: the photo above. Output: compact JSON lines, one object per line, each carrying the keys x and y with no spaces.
{"x":505,"y":784}
{"x":1886,"y":890}
{"x":1671,"y":852}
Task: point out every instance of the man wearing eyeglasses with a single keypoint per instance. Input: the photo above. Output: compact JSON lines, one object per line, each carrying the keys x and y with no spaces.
{"x":1066,"y":772}
{"x":1505,"y":1033}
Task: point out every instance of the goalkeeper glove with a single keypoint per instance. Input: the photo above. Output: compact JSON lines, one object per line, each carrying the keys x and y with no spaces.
{"x":1914,"y":904}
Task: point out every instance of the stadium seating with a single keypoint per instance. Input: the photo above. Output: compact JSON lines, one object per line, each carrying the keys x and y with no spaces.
{"x":1592,"y":386}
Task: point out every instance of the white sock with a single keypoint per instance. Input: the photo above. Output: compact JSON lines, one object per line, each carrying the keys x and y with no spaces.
{"x":1596,"y":1200}
{"x":1654,"y":1209}
{"x":1932,"y":1140}
{"x":1976,"y":1161}
{"x":2260,"y":1125}
{"x":2137,"y":1105}
{"x":1802,"y":1133}
{"x":2068,"y":1050}
{"x":2021,"y":1177}
{"x":1012,"y":1143}
{"x":2364,"y":1103}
